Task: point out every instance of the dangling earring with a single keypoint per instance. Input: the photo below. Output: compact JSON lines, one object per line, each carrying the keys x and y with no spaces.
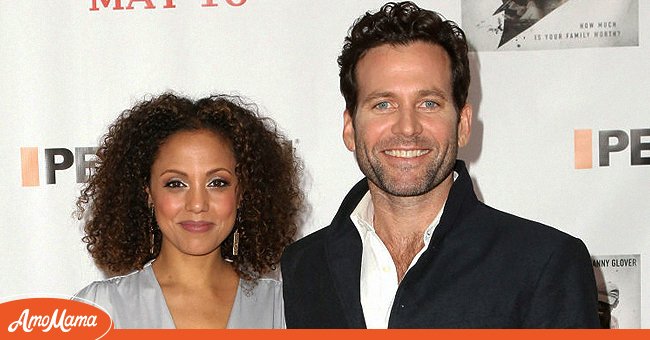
{"x":152,"y":232}
{"x":235,"y":243}
{"x":235,"y":236}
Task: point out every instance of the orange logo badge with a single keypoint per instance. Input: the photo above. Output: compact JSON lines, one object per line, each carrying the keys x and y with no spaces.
{"x":52,"y":317}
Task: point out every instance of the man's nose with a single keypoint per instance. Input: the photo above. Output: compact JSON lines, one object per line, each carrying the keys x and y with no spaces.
{"x":407,"y":123}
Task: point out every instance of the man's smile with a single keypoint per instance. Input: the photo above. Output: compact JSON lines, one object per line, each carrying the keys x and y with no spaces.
{"x":407,"y":153}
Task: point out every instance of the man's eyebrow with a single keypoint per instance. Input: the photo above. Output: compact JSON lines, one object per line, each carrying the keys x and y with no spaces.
{"x":432,"y":92}
{"x":376,"y":95}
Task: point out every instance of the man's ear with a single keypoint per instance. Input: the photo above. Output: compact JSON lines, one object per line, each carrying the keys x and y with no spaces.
{"x":465,"y":125}
{"x":348,"y":130}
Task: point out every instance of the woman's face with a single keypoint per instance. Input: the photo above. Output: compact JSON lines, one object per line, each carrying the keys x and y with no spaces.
{"x":194,"y":191}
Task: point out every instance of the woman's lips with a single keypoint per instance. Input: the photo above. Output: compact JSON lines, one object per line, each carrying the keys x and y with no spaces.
{"x":196,"y":226}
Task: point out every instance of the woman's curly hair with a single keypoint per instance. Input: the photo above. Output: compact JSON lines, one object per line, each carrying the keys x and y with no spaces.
{"x":118,"y":221}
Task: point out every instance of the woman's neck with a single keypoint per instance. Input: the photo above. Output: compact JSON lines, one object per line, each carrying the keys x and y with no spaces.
{"x":176,"y":268}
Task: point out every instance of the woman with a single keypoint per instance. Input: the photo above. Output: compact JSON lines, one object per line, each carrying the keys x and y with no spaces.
{"x":192,"y":204}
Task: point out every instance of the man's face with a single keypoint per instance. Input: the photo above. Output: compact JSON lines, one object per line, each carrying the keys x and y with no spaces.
{"x":406,"y":130}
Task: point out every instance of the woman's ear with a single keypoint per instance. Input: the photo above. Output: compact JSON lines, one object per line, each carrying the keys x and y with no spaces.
{"x":240,"y":195}
{"x":149,"y":198}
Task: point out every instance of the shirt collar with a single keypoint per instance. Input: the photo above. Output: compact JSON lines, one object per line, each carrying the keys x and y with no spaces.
{"x":363,"y":216}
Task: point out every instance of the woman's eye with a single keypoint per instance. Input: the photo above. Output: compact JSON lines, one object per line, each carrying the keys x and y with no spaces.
{"x":218,"y":183}
{"x":175,"y":184}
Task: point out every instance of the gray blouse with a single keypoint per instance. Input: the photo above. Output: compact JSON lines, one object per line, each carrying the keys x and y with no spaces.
{"x":136,"y":300}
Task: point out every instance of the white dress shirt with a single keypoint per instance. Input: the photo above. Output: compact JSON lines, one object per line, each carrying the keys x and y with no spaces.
{"x":378,"y":272}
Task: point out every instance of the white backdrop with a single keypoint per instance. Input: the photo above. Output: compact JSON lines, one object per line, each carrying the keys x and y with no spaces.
{"x":66,"y":71}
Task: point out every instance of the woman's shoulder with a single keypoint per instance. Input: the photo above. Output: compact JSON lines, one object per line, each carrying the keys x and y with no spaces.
{"x":268,"y":281}
{"x":127,"y":284}
{"x":267,"y":287}
{"x":259,"y":303}
{"x":274,"y":275}
{"x":134,"y":300}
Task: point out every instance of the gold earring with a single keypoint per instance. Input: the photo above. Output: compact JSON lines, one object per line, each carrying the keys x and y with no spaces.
{"x":152,"y":232}
{"x":235,"y":243}
{"x":235,"y":235}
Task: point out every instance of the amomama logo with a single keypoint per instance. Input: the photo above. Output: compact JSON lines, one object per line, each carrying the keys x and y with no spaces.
{"x":610,"y":142}
{"x":38,"y":317}
{"x":55,"y":159}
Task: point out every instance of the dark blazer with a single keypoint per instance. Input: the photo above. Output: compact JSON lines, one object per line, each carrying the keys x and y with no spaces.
{"x":482,"y":269}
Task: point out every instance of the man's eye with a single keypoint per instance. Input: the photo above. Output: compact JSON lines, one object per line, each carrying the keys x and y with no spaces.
{"x":175,"y":184}
{"x":383,"y":105}
{"x":429,"y":104}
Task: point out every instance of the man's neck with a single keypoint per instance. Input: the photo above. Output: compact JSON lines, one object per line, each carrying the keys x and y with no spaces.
{"x":400,"y":222}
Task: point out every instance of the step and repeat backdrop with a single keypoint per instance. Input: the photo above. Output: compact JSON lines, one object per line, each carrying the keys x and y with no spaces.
{"x":561,"y":132}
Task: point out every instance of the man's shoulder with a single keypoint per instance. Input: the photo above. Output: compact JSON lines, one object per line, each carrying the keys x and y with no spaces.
{"x":310,"y":243}
{"x":519,"y":228}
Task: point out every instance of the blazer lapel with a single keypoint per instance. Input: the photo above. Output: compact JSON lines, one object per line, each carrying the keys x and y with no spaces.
{"x":343,"y":252}
{"x":460,"y":198}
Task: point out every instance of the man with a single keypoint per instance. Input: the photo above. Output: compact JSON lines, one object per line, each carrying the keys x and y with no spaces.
{"x":411,"y":246}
